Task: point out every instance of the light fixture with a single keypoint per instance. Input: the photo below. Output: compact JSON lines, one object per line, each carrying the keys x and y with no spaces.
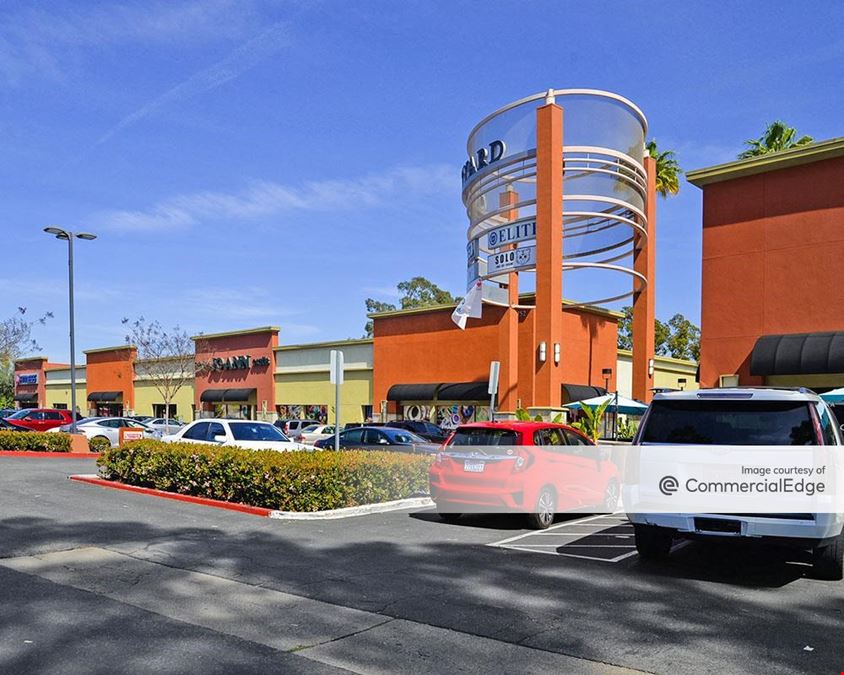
{"x":650,"y":367}
{"x":542,"y":352}
{"x":556,"y":353}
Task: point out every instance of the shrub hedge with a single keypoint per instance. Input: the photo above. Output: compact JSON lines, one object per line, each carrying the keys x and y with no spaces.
{"x":287,"y":481}
{"x":34,"y":441}
{"x":98,"y":444}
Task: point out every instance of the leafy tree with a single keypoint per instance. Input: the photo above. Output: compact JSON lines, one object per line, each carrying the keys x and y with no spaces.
{"x":778,"y":136}
{"x":15,"y":340}
{"x":678,"y":338}
{"x":415,"y":292}
{"x":166,"y":358}
{"x":668,"y":170}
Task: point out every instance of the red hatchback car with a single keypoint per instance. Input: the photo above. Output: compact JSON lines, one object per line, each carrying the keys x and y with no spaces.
{"x":37,"y":419}
{"x":536,"y":468}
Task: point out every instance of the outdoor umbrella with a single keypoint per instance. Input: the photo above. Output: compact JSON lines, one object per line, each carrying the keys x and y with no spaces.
{"x":834,"y":396}
{"x":624,"y":405}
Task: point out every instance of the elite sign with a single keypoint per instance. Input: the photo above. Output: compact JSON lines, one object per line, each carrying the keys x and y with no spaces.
{"x":519,"y":230}
{"x":511,"y":260}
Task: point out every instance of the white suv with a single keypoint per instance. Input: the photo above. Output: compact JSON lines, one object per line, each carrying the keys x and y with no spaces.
{"x":742,"y":416}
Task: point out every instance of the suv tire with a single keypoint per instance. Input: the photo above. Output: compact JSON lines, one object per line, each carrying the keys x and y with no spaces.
{"x":652,"y":542}
{"x":829,"y":560}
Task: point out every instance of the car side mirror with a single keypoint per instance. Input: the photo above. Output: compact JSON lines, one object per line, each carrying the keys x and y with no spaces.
{"x":219,"y":438}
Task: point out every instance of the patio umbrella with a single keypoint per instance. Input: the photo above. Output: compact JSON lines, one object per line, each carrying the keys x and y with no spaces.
{"x":624,"y":405}
{"x":834,"y":396}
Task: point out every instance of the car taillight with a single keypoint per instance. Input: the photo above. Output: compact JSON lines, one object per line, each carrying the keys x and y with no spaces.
{"x":523,"y":460}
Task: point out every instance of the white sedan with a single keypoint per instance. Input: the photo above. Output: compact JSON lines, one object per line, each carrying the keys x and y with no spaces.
{"x":241,"y":433}
{"x":315,"y":432}
{"x":108,"y":428}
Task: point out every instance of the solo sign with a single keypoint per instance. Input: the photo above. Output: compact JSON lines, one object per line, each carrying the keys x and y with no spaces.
{"x":511,"y":260}
{"x":519,"y":230}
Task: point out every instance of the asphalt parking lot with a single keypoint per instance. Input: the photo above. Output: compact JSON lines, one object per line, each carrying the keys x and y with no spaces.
{"x":96,"y":580}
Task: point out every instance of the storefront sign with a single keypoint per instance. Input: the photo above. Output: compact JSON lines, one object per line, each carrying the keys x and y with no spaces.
{"x":519,"y":230}
{"x":482,"y":158}
{"x":511,"y":260}
{"x":31,"y":378}
{"x":472,"y":251}
{"x":243,"y":362}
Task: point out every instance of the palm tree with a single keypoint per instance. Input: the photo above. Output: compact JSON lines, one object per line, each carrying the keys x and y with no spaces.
{"x":778,"y":136}
{"x":668,"y":170}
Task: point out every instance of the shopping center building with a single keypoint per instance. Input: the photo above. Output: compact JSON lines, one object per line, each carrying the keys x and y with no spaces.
{"x":560,"y":197}
{"x":773,"y":246}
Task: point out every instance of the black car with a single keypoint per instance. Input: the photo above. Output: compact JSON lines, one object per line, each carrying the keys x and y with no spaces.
{"x":426,"y":430}
{"x":379,"y":438}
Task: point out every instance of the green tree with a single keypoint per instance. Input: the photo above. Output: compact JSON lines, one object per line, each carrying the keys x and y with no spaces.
{"x":668,"y":170}
{"x":778,"y":136}
{"x":415,"y":292}
{"x":679,"y":337}
{"x":15,"y":339}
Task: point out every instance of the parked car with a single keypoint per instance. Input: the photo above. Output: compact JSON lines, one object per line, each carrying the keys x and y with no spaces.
{"x":742,"y":416}
{"x":314,"y":433}
{"x":379,"y":438}
{"x":293,"y":428}
{"x":537,"y":468}
{"x":140,"y":418}
{"x":107,"y":428}
{"x":37,"y":419}
{"x":427,"y":430}
{"x":163,"y":425}
{"x":247,"y":434}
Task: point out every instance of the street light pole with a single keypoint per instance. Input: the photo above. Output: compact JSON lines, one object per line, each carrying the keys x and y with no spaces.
{"x":70,"y":236}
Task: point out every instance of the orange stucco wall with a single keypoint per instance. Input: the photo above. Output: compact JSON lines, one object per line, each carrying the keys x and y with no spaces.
{"x":257,"y":345}
{"x":428,"y":348}
{"x":773,"y":246}
{"x":112,"y":370}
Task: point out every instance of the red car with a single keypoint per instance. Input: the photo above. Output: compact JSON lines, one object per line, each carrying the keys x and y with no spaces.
{"x":37,"y":419}
{"x":536,"y":468}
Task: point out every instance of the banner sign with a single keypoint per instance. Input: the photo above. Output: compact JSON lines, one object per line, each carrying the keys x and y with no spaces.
{"x":518,"y":230}
{"x":511,"y":260}
{"x":28,"y":379}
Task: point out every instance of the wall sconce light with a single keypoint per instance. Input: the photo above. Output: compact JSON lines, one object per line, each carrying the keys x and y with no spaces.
{"x":650,"y":367}
{"x":556,"y":353}
{"x":542,"y":352}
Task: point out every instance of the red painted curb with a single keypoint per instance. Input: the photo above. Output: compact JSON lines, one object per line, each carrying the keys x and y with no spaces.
{"x":35,"y":453}
{"x":203,"y":501}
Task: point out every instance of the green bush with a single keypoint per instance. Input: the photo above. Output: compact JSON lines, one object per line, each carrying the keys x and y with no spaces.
{"x":287,"y":481}
{"x":34,"y":441}
{"x":98,"y":444}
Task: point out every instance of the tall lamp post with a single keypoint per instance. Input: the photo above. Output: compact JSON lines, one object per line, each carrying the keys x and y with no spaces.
{"x":607,"y":374}
{"x":69,"y":237}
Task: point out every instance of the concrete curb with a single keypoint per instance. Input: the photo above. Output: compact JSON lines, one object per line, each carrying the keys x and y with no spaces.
{"x":36,"y":453}
{"x":398,"y":505}
{"x":351,"y":511}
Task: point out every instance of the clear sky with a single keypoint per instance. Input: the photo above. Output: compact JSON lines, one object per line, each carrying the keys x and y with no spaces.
{"x":247,"y":163}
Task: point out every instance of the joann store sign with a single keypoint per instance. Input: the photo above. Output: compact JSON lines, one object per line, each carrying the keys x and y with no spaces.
{"x":243,"y":362}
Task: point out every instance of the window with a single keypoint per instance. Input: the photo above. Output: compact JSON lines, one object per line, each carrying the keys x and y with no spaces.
{"x":110,"y":424}
{"x":374,"y":437}
{"x":729,"y":422}
{"x":216,"y":429}
{"x":255,"y":431}
{"x":60,"y":406}
{"x":550,"y":437}
{"x":728,"y":381}
{"x":198,"y":432}
{"x":53,"y":415}
{"x":827,"y":426}
{"x":575,"y":439}
{"x":351,"y":437}
{"x":484,"y":436}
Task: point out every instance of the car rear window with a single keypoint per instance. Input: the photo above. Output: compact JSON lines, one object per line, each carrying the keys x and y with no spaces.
{"x":482,"y":436}
{"x":729,"y":423}
{"x":253,"y":431}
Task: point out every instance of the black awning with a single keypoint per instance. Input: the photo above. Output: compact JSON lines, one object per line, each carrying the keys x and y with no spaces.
{"x":580,"y":392}
{"x":226,"y":395}
{"x":26,"y":398}
{"x":463,"y":391}
{"x":798,"y":354}
{"x":105,"y":396}
{"x":412,"y":392}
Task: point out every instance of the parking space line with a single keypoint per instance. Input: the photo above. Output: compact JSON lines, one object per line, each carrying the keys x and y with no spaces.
{"x":553,"y":527}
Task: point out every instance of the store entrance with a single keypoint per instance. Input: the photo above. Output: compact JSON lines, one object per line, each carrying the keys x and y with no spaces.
{"x":109,"y":410}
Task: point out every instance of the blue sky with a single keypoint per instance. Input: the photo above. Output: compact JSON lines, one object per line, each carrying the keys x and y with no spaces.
{"x":248,"y":163}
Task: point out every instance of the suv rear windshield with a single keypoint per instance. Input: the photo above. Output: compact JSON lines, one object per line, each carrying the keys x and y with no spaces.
{"x":251,"y":431}
{"x":482,"y":436}
{"x":729,"y":423}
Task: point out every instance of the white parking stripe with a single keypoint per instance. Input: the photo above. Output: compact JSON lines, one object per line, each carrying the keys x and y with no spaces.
{"x":553,"y":527}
